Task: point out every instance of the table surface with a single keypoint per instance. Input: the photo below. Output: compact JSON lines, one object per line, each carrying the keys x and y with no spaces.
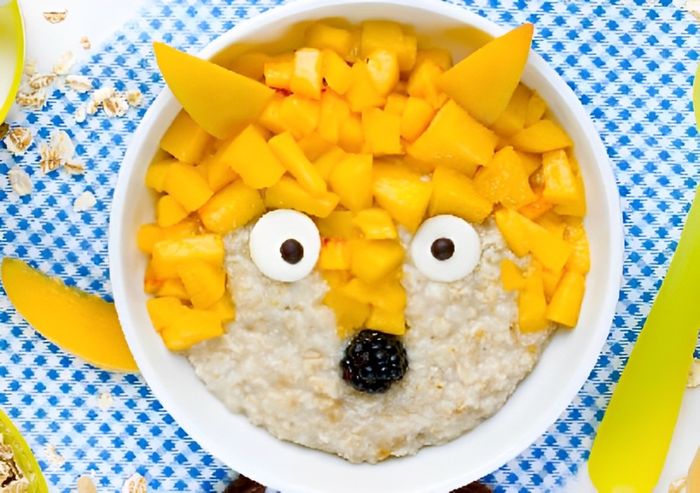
{"x":97,"y":20}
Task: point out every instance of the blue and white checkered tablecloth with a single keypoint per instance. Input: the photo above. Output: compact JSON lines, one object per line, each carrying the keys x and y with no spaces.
{"x":631,"y":62}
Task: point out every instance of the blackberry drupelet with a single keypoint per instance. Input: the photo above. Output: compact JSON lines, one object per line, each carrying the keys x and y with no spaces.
{"x":373,"y":361}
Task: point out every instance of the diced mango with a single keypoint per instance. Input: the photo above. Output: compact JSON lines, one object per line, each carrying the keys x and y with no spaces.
{"x":580,"y":260}
{"x":169,"y":211}
{"x":146,"y":236}
{"x":351,"y":179}
{"x":383,"y":67}
{"x":350,"y":314}
{"x":183,"y":229}
{"x":251,"y":157}
{"x":387,"y":35}
{"x":271,"y":118}
{"x":187,"y":186}
{"x":232,"y":207}
{"x":503,"y":180}
{"x":185,"y":140}
{"x":536,"y":108}
{"x":512,"y":120}
{"x":550,"y":281}
{"x":387,"y":294}
{"x":382,"y":132}
{"x":204,"y":282}
{"x":327,"y":161}
{"x":168,"y":254}
{"x":151,"y":283}
{"x":566,"y":303}
{"x":454,"y":138}
{"x":278,"y":72}
{"x":293,"y":159}
{"x":323,"y":36}
{"x":559,"y":181}
{"x":172,"y":288}
{"x":552,"y":222}
{"x":219,"y":172}
{"x":455,"y":193}
{"x":335,"y":254}
{"x":536,"y":208}
{"x":402,"y":193}
{"x":511,"y":276}
{"x":541,"y":136}
{"x":532,"y":305}
{"x":336,"y":278}
{"x":416,"y":117}
{"x":351,"y":136}
{"x":150,"y":234}
{"x":375,"y":224}
{"x":163,"y":311}
{"x":422,"y":83}
{"x":250,"y":64}
{"x":395,"y":104}
{"x":374,"y":260}
{"x":338,"y":224}
{"x":336,"y":73}
{"x":314,"y":146}
{"x":287,"y":193}
{"x":578,"y":206}
{"x":531,"y":162}
{"x":307,"y":78}
{"x":156,"y":173}
{"x":224,"y":309}
{"x":190,"y":327}
{"x":389,"y":322}
{"x":334,"y":112}
{"x":300,"y":115}
{"x":482,"y":83}
{"x":515,"y":229}
{"x":439,"y":56}
{"x":362,"y":93}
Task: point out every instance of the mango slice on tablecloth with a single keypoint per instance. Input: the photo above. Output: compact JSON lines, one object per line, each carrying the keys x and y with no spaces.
{"x":79,"y":323}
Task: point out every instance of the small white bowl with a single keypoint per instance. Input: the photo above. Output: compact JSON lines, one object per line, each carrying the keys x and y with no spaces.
{"x":538,"y":401}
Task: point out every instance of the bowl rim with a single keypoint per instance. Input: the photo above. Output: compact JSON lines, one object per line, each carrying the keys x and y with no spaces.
{"x":460,"y":14}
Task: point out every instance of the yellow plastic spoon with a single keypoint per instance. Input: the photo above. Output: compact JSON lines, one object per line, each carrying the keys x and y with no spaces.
{"x":630,"y":449}
{"x":11,"y":53}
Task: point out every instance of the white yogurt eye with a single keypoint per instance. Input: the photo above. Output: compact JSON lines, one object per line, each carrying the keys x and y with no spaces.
{"x":284,"y":244}
{"x":446,"y":248}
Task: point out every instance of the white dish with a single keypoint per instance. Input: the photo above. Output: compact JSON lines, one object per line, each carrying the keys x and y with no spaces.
{"x":538,"y":401}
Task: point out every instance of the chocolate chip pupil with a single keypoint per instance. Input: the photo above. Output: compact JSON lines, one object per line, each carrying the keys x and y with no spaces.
{"x":442,"y":248}
{"x":292,"y":251}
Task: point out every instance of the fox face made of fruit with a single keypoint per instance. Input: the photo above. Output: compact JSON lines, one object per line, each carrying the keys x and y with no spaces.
{"x":377,"y":158}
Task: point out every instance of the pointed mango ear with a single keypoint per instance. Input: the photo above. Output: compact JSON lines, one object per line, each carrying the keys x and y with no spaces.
{"x":219,"y":100}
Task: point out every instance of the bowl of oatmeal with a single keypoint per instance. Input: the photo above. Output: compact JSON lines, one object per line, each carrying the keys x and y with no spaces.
{"x":379,"y":313}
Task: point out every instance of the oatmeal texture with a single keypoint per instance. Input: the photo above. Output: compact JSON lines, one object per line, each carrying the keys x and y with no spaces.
{"x":279,"y":361}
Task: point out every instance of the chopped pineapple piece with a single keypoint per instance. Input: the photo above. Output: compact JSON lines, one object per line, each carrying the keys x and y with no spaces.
{"x":231,"y":208}
{"x":187,"y":186}
{"x":287,"y":193}
{"x":185,"y":140}
{"x":455,"y":193}
{"x":375,"y":224}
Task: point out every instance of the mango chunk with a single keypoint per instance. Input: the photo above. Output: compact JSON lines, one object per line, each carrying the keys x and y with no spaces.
{"x":439,"y":56}
{"x":336,"y":73}
{"x":455,"y":139}
{"x":252,"y":159}
{"x":580,"y":260}
{"x":542,"y":136}
{"x":327,"y":161}
{"x":232,"y":207}
{"x":362,"y":93}
{"x":338,"y":224}
{"x":300,"y":115}
{"x":532,"y":305}
{"x":271,"y":117}
{"x":185,"y":140}
{"x":293,"y":159}
{"x":482,"y":83}
{"x":560,"y":185}
{"x":455,"y":193}
{"x":512,"y":120}
{"x":150,"y":234}
{"x":383,"y":67}
{"x":395,"y":104}
{"x":511,"y":276}
{"x":204,"y":282}
{"x":536,"y":107}
{"x":307,"y":78}
{"x":238,"y":102}
{"x":334,"y":112}
{"x":335,"y":254}
{"x":566,"y":302}
{"x":504,"y":180}
{"x":187,"y":186}
{"x":190,"y":327}
{"x":388,"y":295}
{"x":278,"y":72}
{"x":375,"y":224}
{"x":224,"y":309}
{"x":287,"y":193}
{"x":314,"y":146}
{"x":146,"y":236}
{"x":536,"y":208}
{"x":323,"y":36}
{"x":350,"y":314}
{"x":156,"y":173}
{"x":415,"y":118}
{"x":389,"y":322}
{"x":351,"y":179}
{"x":219,"y":172}
{"x":423,"y":83}
{"x":82,"y":324}
{"x":172,"y":288}
{"x":169,"y":211}
{"x":168,"y":254}
{"x":387,"y":35}
{"x":382,"y":132}
{"x":374,"y":260}
{"x":351,"y":134}
{"x":163,"y":311}
{"x":577,"y":207}
{"x":402,"y":193}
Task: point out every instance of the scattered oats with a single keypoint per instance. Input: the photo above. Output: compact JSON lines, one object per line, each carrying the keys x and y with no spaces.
{"x":694,"y":380}
{"x":36,"y":99}
{"x":55,"y":16}
{"x":115,"y":106}
{"x":4,"y":128}
{"x":84,"y":202}
{"x":135,"y":484}
{"x":677,"y":486}
{"x":74,"y":168}
{"x":18,"y":139}
{"x":55,"y":459}
{"x":58,"y":152}
{"x":105,"y":401}
{"x":80,"y":114}
{"x":39,"y":81}
{"x":693,"y":6}
{"x":64,"y":63}
{"x":101,"y":94}
{"x":79,"y":83}
{"x":86,"y":485}
{"x":50,"y":160}
{"x":134,"y":97}
{"x":20,"y":181}
{"x":30,"y":67}
{"x":85,"y":42}
{"x":91,"y":107}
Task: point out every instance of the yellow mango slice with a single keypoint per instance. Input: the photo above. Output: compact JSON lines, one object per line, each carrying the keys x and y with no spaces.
{"x":566,"y":302}
{"x":336,"y":278}
{"x":252,"y":159}
{"x":388,"y":295}
{"x":423,"y":83}
{"x":439,"y":56}
{"x":82,"y":324}
{"x":532,"y":305}
{"x":552,"y":222}
{"x":250,"y":64}
{"x":219,"y":172}
{"x":389,"y":322}
{"x":531,"y":162}
{"x":172,"y":288}
{"x":541,"y":136}
{"x":323,"y":36}
{"x":190,"y":327}
{"x":455,"y":139}
{"x":395,"y":104}
{"x":314,"y":146}
{"x":146,"y":236}
{"x":307,"y":78}
{"x":300,"y":115}
{"x":351,"y":179}
{"x":168,"y":254}
{"x":335,"y":254}
{"x":278,"y":72}
{"x":375,"y":224}
{"x":204,"y":282}
{"x":336,"y":73}
{"x":580,"y":260}
{"x":163,"y":311}
{"x":293,"y":159}
{"x":362,"y":93}
{"x":271,"y":117}
{"x":577,"y":207}
{"x":455,"y":193}
{"x":187,"y":186}
{"x":536,"y":208}
{"x":560,"y":185}
{"x":156,"y":173}
{"x":482,"y":83}
{"x":334,"y":112}
{"x":383,"y":67}
{"x":415,"y":118}
{"x":350,"y":314}
{"x":239,"y":100}
{"x":232,"y":207}
{"x":511,"y":276}
{"x":382,"y":132}
{"x":327,"y":161}
{"x":387,"y":35}
{"x":536,"y":107}
{"x":150,"y":234}
{"x":224,"y":309}
{"x":351,"y":136}
{"x":287,"y":193}
{"x":185,"y":140}
{"x":515,"y":229}
{"x":402,"y":193}
{"x":512,"y":120}
{"x":338,"y":224}
{"x":169,"y":211}
{"x":504,"y":180}
{"x":374,"y":260}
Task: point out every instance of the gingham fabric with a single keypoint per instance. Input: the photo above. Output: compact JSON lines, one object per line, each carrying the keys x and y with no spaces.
{"x":630,"y":62}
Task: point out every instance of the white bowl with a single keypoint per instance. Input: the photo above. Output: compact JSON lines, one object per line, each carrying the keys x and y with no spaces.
{"x":538,"y":401}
